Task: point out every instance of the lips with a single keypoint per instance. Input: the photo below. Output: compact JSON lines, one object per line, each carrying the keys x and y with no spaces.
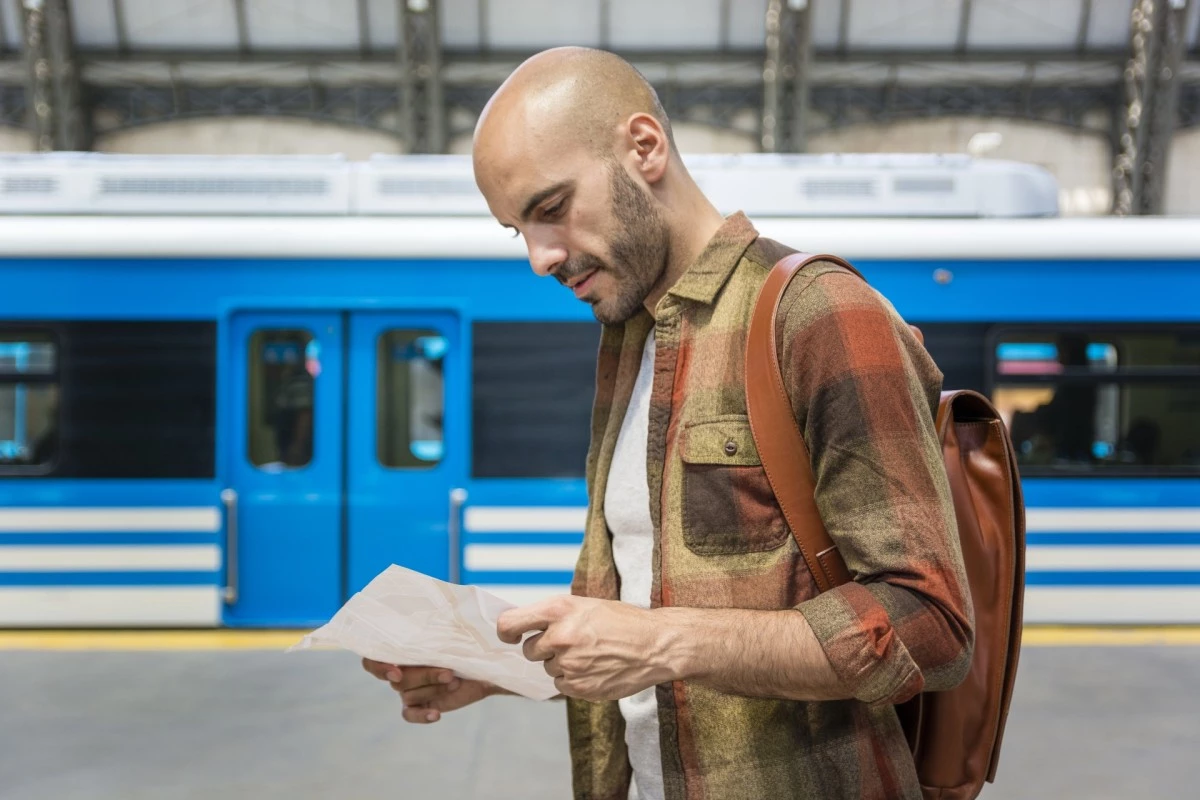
{"x":581,"y":286}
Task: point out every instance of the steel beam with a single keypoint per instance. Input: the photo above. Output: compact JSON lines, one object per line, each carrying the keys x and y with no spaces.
{"x":364,"y":27}
{"x":786,"y":75}
{"x":243,"y":26}
{"x":57,"y":117}
{"x":118,"y":12}
{"x":1151,"y":108}
{"x":843,"y":41}
{"x":1085,"y":22}
{"x":422,"y":113}
{"x":3,"y":37}
{"x":964,"y":26}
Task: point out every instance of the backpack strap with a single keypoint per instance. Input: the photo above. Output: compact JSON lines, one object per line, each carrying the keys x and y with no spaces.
{"x":780,"y":443}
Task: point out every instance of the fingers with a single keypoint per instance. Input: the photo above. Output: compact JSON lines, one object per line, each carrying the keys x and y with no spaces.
{"x":421,"y":716}
{"x":535,"y":648}
{"x":426,"y":695}
{"x":516,"y":622}
{"x":404,"y":678}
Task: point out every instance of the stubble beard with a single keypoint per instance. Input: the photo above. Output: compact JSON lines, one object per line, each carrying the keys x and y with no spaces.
{"x":638,"y":250}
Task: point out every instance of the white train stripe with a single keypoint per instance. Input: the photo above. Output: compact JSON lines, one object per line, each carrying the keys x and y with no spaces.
{"x":520,"y":557}
{"x":1112,"y":605}
{"x":523,"y":595}
{"x":568,"y":519}
{"x":115,"y":606}
{"x":1100,"y":520}
{"x":524,"y":519}
{"x":110,"y":520}
{"x":1115,"y":557}
{"x":116,"y":558}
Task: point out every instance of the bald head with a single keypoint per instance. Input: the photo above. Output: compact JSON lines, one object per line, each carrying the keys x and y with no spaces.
{"x":574,"y":152}
{"x":573,"y":93}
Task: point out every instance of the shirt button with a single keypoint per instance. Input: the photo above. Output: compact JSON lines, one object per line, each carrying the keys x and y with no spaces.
{"x":731,"y":448}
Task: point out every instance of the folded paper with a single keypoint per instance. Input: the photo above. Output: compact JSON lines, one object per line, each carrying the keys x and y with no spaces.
{"x":406,"y":618}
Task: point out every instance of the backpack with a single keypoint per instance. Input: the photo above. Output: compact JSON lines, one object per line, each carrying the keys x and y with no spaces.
{"x":954,"y":735}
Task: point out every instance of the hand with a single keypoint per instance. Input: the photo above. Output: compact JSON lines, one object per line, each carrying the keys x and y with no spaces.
{"x":429,"y":691}
{"x":594,"y":649}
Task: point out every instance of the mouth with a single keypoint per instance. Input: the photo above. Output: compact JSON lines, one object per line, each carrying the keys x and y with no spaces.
{"x":581,"y":285}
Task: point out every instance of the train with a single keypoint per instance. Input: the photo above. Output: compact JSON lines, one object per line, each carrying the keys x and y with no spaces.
{"x":233,"y":390}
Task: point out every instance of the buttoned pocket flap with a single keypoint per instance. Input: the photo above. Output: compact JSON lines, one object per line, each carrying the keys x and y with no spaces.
{"x":722,"y":441}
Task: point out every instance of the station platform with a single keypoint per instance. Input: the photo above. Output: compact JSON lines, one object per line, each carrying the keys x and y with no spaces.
{"x":105,"y":715}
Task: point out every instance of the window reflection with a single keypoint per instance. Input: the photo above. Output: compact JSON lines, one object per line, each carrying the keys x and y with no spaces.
{"x":284,"y":364}
{"x":28,"y":400}
{"x":1099,"y":400}
{"x":410,"y":398}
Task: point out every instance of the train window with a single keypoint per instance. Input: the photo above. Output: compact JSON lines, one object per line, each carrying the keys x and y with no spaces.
{"x":1100,"y":400}
{"x":410,"y":398}
{"x":283,"y":366}
{"x":532,"y":389}
{"x":28,"y":401}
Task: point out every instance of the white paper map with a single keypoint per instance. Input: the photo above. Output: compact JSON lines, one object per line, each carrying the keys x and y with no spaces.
{"x":403,"y":617}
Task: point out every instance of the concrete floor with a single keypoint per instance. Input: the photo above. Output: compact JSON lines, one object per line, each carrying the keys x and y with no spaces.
{"x":1094,"y":723}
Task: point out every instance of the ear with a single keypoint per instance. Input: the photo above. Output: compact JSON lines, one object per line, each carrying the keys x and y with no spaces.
{"x":651,"y":148}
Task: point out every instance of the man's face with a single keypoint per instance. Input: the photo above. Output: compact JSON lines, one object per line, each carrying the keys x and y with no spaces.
{"x":585,"y":221}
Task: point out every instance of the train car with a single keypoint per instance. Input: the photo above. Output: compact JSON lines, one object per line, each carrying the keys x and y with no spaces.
{"x":234,"y":390}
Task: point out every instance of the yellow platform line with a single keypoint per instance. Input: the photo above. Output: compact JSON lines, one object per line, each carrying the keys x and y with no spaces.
{"x":279,"y":640}
{"x":150,"y":640}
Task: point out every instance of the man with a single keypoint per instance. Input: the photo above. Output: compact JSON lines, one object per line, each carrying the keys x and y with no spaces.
{"x":696,"y":654}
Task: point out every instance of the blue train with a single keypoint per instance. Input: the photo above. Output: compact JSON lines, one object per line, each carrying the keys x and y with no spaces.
{"x":232,"y":391}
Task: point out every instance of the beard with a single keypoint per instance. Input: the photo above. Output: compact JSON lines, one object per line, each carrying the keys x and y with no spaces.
{"x":638,"y":252}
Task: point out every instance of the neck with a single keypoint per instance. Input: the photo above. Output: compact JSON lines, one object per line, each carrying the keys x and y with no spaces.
{"x":693,"y":223}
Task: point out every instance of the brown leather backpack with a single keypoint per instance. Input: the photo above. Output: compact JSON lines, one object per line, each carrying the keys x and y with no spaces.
{"x":954,"y":735}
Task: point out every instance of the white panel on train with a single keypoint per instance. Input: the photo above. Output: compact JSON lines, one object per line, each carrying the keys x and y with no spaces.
{"x":762,"y":185}
{"x":98,"y":183}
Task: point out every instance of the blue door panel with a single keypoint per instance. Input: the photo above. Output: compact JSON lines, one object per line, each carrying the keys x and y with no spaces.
{"x":400,"y":514}
{"x":288,"y":559}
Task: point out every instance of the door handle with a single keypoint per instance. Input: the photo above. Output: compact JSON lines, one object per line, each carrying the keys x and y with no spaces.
{"x":458,"y":498}
{"x":229,"y":499}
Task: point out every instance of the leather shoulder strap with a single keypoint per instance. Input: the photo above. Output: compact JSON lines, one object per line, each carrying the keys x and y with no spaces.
{"x":780,"y":443}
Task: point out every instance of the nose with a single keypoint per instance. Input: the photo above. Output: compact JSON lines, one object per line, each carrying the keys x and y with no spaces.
{"x":545,"y":256}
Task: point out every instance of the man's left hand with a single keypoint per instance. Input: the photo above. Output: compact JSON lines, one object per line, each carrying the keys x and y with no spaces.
{"x":594,"y":649}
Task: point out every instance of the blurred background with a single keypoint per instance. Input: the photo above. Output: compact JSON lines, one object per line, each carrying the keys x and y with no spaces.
{"x":1060,"y":83}
{"x":260,"y":338}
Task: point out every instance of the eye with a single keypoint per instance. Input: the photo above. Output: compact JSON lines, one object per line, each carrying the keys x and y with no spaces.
{"x":554,"y":211}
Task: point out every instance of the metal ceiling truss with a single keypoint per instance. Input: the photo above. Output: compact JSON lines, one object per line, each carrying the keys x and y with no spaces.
{"x":422,"y":115}
{"x":1152,"y":101}
{"x":722,"y":90}
{"x":786,"y":74}
{"x":56,"y":116}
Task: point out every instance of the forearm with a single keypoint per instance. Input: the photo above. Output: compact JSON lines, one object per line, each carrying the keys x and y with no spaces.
{"x":748,"y":653}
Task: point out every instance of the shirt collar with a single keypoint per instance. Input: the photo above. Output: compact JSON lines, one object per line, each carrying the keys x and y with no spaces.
{"x":716,"y":262}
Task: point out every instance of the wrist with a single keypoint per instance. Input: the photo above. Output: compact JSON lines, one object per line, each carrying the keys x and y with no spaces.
{"x":675,"y":645}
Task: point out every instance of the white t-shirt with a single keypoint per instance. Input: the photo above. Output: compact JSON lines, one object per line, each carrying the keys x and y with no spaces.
{"x":627,"y":512}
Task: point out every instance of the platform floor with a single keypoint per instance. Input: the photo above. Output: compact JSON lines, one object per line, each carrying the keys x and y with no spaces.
{"x":1092,"y":722}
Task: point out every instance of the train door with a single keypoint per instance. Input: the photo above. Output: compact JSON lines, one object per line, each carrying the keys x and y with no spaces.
{"x":406,"y":453}
{"x":341,"y":457}
{"x":283,"y":505}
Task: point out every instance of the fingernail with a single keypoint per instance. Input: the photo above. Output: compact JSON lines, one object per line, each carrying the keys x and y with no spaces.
{"x":446,"y":677}
{"x":431,"y":716}
{"x":454,"y":684}
{"x":394,"y":676}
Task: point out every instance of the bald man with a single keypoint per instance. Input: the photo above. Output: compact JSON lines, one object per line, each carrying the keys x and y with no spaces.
{"x":696,"y":654}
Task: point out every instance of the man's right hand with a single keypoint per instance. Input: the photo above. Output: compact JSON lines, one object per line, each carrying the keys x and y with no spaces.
{"x":429,"y":691}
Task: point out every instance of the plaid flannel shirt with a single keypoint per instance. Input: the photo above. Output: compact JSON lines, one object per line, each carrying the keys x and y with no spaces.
{"x":865,"y":394}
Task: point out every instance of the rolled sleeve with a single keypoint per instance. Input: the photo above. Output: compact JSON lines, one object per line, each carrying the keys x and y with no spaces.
{"x":865,"y":393}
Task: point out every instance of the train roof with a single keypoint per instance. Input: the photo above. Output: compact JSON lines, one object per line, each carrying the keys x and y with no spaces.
{"x":1132,"y":238}
{"x":762,"y":185}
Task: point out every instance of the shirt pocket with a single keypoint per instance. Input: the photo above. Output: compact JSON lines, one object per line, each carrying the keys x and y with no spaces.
{"x":728,"y":505}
